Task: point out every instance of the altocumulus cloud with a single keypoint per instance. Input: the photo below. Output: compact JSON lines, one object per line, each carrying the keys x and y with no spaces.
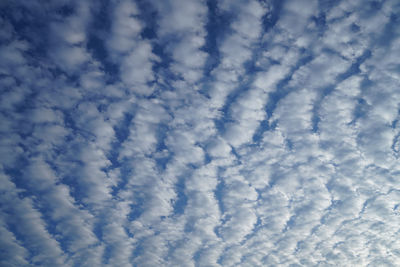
{"x":200,"y":133}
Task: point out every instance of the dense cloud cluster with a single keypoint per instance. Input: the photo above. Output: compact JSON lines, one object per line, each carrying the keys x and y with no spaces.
{"x":200,"y":133}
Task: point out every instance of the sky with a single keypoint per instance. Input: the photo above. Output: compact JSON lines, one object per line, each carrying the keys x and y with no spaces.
{"x":199,"y":133}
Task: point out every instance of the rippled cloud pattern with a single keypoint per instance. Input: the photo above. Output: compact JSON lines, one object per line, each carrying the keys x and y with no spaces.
{"x":200,"y":133}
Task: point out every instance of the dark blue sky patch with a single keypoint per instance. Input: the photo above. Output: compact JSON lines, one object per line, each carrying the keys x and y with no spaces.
{"x":217,"y":26}
{"x":181,"y":201}
{"x":148,"y":14}
{"x":271,"y":18}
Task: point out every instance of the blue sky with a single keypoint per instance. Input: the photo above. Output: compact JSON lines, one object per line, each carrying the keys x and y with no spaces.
{"x":200,"y":133}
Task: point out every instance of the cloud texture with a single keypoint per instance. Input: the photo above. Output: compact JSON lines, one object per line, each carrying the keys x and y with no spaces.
{"x":199,"y":133}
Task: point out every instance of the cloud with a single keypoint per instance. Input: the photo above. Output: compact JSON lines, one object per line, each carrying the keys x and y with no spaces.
{"x":199,"y":133}
{"x":12,"y":252}
{"x":27,"y":222}
{"x":129,"y":51}
{"x":181,"y":29}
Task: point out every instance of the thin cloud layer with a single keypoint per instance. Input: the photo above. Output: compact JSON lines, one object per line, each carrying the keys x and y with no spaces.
{"x":199,"y":133}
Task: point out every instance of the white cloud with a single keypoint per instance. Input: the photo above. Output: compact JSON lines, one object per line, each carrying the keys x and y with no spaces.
{"x":123,"y":150}
{"x":129,"y":50}
{"x":27,"y":221}
{"x":68,"y":39}
{"x":183,"y":21}
{"x":126,"y":28}
{"x":12,"y":252}
{"x":236,"y":49}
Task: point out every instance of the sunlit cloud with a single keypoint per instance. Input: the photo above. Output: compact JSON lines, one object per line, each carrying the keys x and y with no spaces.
{"x":199,"y":133}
